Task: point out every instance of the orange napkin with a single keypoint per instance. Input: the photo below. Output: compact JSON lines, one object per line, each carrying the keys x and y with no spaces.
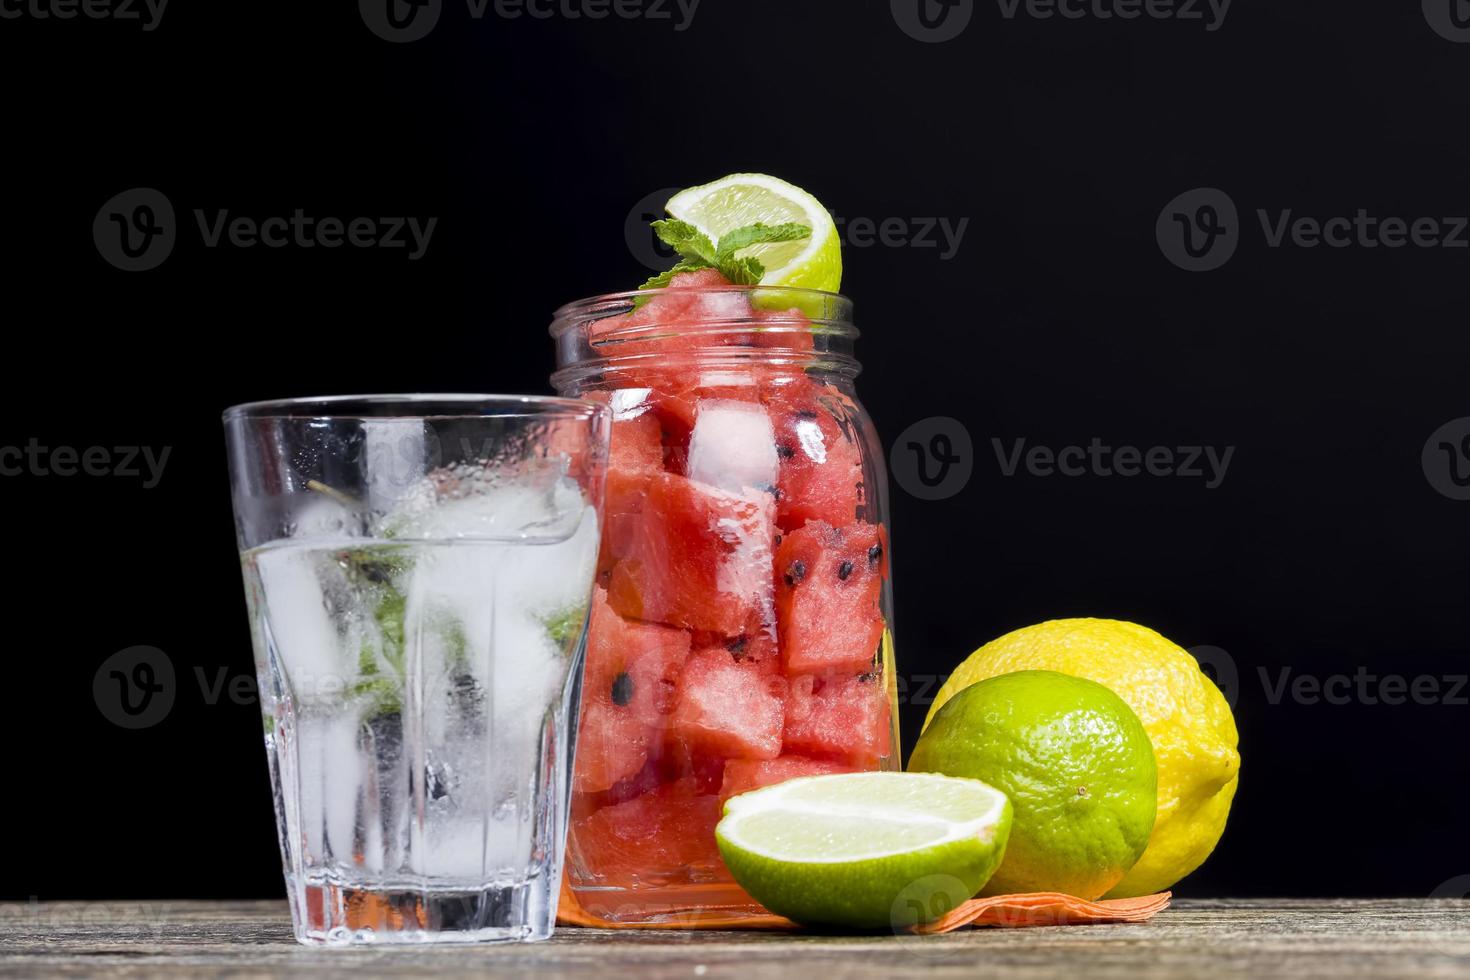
{"x":1034,"y":909}
{"x":1045,"y":909}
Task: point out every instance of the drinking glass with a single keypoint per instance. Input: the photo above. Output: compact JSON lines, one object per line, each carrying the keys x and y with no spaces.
{"x":418,"y":570}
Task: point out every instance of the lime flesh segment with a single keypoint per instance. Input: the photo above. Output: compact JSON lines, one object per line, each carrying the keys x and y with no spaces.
{"x":865,"y":850}
{"x":745,"y":199}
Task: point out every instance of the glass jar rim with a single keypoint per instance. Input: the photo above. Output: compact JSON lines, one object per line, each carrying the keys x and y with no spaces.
{"x":430,"y":405}
{"x":836,"y":308}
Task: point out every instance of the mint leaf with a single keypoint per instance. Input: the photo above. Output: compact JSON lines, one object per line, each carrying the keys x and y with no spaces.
{"x":757,"y":234}
{"x":691,"y":243}
{"x":663,"y":278}
{"x":743,"y":272}
{"x":697,"y":252}
{"x":566,"y":625}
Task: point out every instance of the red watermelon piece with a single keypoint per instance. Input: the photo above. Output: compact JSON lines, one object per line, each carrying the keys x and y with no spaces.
{"x":787,"y":329}
{"x":840,"y":718}
{"x":637,"y":443}
{"x":697,"y":311}
{"x":628,"y":693}
{"x":744,"y":775}
{"x":828,"y":584}
{"x":821,"y":473}
{"x":756,"y":646}
{"x":729,"y":709}
{"x":667,"y":833}
{"x":690,"y":555}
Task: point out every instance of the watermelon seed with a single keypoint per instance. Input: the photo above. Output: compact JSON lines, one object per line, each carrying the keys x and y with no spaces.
{"x":875,"y":555}
{"x":796,"y":572}
{"x":784,"y":451}
{"x":622,"y":689}
{"x":806,"y":414}
{"x":737,"y":648}
{"x":844,"y":570}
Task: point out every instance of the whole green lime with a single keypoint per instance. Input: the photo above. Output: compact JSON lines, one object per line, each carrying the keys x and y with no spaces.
{"x":1077,"y":766}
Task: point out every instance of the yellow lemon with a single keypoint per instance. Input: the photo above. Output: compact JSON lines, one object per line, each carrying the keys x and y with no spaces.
{"x":1186,"y":717}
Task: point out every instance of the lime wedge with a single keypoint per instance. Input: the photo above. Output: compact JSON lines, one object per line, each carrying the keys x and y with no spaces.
{"x":865,"y":850}
{"x":744,"y":199}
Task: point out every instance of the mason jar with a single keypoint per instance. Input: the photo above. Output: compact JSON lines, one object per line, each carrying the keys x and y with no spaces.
{"x":741,"y":632}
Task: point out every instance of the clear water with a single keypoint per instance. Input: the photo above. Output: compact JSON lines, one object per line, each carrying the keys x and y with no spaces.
{"x":416,"y":691}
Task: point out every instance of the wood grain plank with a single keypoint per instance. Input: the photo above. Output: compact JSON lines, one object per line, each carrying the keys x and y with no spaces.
{"x":1215,"y":938}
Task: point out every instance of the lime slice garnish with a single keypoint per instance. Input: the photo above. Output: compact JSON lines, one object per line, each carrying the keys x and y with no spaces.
{"x":745,"y":199}
{"x":865,"y":850}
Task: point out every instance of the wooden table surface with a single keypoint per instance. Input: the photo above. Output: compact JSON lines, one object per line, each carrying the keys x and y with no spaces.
{"x":1214,"y":938}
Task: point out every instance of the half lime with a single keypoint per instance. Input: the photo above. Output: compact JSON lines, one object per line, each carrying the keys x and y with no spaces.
{"x":865,"y":850}
{"x":745,"y":199}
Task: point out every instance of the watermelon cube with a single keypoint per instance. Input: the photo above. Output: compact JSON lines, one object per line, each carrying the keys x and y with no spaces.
{"x":628,"y":693}
{"x":789,"y":329}
{"x":744,"y":775}
{"x":821,"y":472}
{"x":729,"y":709}
{"x":840,"y":718}
{"x":668,"y":833}
{"x":612,"y":745}
{"x":690,"y":555}
{"x":757,"y":646}
{"x":637,"y":443}
{"x":698,"y":311}
{"x":828,"y":584}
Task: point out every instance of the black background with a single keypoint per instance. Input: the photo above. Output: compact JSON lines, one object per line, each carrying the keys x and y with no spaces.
{"x":1325,"y":549}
